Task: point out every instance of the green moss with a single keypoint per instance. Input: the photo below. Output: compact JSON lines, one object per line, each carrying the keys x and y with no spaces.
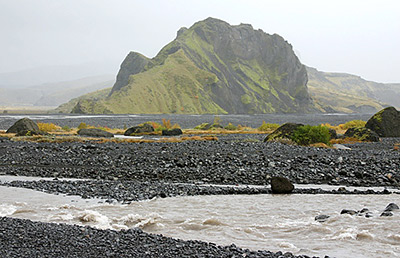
{"x":246,"y":99}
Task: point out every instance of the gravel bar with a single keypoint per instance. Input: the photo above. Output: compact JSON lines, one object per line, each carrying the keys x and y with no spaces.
{"x":25,"y":238}
{"x":234,"y":159}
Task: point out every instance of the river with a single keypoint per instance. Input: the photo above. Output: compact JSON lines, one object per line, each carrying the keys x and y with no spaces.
{"x":259,"y":222}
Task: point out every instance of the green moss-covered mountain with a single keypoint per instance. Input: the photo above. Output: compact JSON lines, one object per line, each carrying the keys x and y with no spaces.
{"x":212,"y":67}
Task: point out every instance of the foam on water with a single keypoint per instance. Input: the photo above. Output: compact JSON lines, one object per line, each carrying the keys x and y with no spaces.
{"x":7,"y":210}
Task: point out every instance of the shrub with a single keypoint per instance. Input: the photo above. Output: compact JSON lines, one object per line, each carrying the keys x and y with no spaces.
{"x":167,"y":124}
{"x":230,"y":127}
{"x":82,"y":126}
{"x":203,"y":126}
{"x":267,"y":127}
{"x":66,"y":128}
{"x":352,"y":123}
{"x":307,"y":134}
{"x":48,"y":127}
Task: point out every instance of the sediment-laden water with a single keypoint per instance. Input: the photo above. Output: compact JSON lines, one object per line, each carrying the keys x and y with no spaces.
{"x":259,"y":222}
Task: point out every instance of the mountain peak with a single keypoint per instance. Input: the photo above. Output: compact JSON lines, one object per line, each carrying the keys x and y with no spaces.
{"x":212,"y":67}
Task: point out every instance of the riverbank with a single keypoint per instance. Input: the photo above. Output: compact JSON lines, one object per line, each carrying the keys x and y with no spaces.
{"x":233,"y":159}
{"x":25,"y":238}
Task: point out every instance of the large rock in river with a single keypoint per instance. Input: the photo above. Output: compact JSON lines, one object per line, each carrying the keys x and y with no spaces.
{"x":386,"y":123}
{"x":145,"y":128}
{"x":281,"y":185}
{"x":93,"y":132}
{"x":24,"y":126}
{"x":362,"y":134}
{"x":284,"y":131}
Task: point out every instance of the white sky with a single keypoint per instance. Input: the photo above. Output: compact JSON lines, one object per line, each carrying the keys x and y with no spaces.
{"x":358,"y":37}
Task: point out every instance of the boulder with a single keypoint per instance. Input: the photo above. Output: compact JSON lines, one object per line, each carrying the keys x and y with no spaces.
{"x":350,"y":212}
{"x":391,"y":207}
{"x":281,"y":185}
{"x":93,"y":132}
{"x":172,"y":132}
{"x":24,"y":126}
{"x":386,"y":123}
{"x":145,"y":128}
{"x":284,"y":131}
{"x":386,"y":214}
{"x":332,"y":133}
{"x":322,"y":218}
{"x":362,"y":134}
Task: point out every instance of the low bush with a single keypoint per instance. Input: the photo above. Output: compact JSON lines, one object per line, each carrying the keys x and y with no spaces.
{"x":307,"y":134}
{"x":352,"y":123}
{"x":82,"y":126}
{"x":66,"y":128}
{"x":267,"y":127}
{"x":48,"y":127}
{"x":230,"y":127}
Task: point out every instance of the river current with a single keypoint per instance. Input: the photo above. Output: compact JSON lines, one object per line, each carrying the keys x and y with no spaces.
{"x":259,"y":222}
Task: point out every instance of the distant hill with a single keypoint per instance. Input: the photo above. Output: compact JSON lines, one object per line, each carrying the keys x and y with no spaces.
{"x":56,"y":73}
{"x":341,"y":92}
{"x":53,"y":94}
{"x":212,"y":67}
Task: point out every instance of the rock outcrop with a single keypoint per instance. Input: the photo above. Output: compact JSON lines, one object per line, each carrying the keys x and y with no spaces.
{"x":172,"y":132}
{"x":386,"y":123}
{"x":284,"y":131}
{"x":94,"y":132}
{"x":362,"y":134}
{"x":281,"y":185}
{"x":145,"y":128}
{"x":212,"y":67}
{"x":25,"y":126}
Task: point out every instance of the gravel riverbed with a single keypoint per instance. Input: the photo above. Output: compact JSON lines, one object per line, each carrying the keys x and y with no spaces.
{"x":136,"y":171}
{"x":233,"y":159}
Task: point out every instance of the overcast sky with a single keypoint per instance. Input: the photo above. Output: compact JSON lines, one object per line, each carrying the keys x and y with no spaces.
{"x":358,"y":37}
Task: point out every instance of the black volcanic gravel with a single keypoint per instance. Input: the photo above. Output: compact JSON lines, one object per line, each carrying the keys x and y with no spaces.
{"x":234,"y":159}
{"x":25,"y":238}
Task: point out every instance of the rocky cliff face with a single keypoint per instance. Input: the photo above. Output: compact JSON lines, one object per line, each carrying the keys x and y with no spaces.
{"x":212,"y":67}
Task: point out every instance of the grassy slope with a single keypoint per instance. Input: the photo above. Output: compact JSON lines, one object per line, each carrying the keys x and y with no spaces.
{"x":176,"y":86}
{"x":341,"y":91}
{"x":67,"y":107}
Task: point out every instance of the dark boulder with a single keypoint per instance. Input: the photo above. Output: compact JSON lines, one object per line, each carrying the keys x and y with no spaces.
{"x":93,"y":132}
{"x":24,"y":126}
{"x":362,"y":134}
{"x":350,"y":212}
{"x":145,"y":128}
{"x":322,"y":218}
{"x":386,"y":214}
{"x":391,"y":207}
{"x":172,"y":132}
{"x":281,"y":185}
{"x":386,"y":123}
{"x":284,"y":131}
{"x":332,"y":133}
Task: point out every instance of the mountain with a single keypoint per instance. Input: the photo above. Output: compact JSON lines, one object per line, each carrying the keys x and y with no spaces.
{"x":53,"y":94}
{"x":212,"y":67}
{"x":341,"y":92}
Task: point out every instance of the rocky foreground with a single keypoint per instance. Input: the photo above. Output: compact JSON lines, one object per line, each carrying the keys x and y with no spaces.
{"x":129,"y":172}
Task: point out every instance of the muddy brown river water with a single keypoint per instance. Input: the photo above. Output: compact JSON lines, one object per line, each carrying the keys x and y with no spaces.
{"x":267,"y":222}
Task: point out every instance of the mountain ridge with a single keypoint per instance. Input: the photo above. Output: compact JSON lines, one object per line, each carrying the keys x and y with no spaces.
{"x":212,"y":67}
